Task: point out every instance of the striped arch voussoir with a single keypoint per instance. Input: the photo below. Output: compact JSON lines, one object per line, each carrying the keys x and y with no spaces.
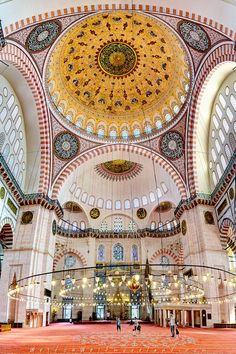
{"x":73,"y":251}
{"x":166,"y":252}
{"x":224,"y":53}
{"x":102,"y":150}
{"x":119,"y":6}
{"x":7,"y":221}
{"x":6,"y":232}
{"x":227,"y":235}
{"x":13,"y":54}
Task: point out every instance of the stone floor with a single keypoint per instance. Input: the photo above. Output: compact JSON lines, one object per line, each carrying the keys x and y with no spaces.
{"x":95,"y":338}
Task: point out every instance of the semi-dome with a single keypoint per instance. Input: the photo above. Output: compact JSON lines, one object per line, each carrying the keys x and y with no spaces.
{"x":118,"y":75}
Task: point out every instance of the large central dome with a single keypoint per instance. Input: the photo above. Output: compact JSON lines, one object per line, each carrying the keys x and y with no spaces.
{"x":118,"y":75}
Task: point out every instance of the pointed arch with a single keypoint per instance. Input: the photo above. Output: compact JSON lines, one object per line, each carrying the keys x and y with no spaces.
{"x":73,"y":251}
{"x":221,"y":55}
{"x":15,"y":55}
{"x":6,"y":232}
{"x":105,"y":149}
{"x":228,"y":235}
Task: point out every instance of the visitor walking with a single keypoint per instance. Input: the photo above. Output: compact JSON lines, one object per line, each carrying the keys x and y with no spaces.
{"x":172,"y":325}
{"x":118,"y":325}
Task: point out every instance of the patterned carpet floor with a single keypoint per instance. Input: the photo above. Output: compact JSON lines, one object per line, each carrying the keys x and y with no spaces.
{"x":97,"y":338}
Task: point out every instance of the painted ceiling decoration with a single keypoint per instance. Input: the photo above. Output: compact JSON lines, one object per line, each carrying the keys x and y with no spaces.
{"x":163,"y":207}
{"x":118,"y":76}
{"x":94,"y":213}
{"x":194,"y":35}
{"x":141,"y":213}
{"x":118,"y":170}
{"x":43,"y":36}
{"x":66,"y":145}
{"x":72,"y":207}
{"x":172,"y":145}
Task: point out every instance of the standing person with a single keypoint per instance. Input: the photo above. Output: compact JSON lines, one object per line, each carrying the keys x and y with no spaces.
{"x":177,"y":328}
{"x":118,"y":326}
{"x":135,"y":326}
{"x":172,"y":325}
{"x":139,"y":328}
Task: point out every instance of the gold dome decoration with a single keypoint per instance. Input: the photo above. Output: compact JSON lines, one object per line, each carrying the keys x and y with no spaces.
{"x":163,"y":207}
{"x":141,"y":213}
{"x":94,"y":213}
{"x":118,"y":75}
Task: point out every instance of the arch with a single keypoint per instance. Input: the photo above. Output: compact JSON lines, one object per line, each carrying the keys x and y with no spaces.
{"x":75,"y":252}
{"x":221,"y":55}
{"x":167,"y":252}
{"x":227,"y":235}
{"x":105,"y":149}
{"x":15,"y":55}
{"x":7,"y":220}
{"x":6,"y":233}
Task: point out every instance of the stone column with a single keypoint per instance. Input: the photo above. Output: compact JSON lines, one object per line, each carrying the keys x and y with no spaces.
{"x":164,"y":317}
{"x":202,"y":245}
{"x":32,"y":253}
{"x":192,"y":318}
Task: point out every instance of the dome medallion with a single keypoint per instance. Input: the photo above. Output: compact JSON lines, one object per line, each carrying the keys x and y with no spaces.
{"x":117,"y":76}
{"x":117,"y":59}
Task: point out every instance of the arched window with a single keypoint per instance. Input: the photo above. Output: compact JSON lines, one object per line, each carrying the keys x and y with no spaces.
{"x":117,"y":204}
{"x":108,"y":204}
{"x":132,"y":226}
{"x":82,"y":225}
{"x":103,"y":226}
{"x":118,"y":252}
{"x":100,"y":203}
{"x":134,"y":253}
{"x":12,"y":129}
{"x":124,"y":134}
{"x":91,"y":200}
{"x":118,"y":224}
{"x":101,"y":253}
{"x":75,"y":226}
{"x":152,"y":197}
{"x":127,"y":204}
{"x":153,"y":225}
{"x":164,"y":262}
{"x":136,"y":202}
{"x":223,"y":137}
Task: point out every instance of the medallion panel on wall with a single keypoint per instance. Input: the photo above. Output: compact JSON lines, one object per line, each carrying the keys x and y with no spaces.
{"x":194,"y":35}
{"x":54,"y":227}
{"x":141,"y":213}
{"x":209,"y":219}
{"x":172,"y":145}
{"x":27,"y":217}
{"x":94,"y":213}
{"x":66,"y":145}
{"x":184,"y":227}
{"x":43,"y":36}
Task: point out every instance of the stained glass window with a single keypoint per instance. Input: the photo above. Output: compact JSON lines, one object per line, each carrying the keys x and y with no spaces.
{"x":101,"y":253}
{"x":165,"y":261}
{"x":118,"y":252}
{"x":70,"y":261}
{"x":134,"y":253}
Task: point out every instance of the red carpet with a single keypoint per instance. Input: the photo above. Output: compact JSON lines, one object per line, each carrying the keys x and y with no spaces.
{"x":69,"y":338}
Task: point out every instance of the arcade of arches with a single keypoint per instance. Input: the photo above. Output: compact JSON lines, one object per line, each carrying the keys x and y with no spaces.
{"x":117,"y":163}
